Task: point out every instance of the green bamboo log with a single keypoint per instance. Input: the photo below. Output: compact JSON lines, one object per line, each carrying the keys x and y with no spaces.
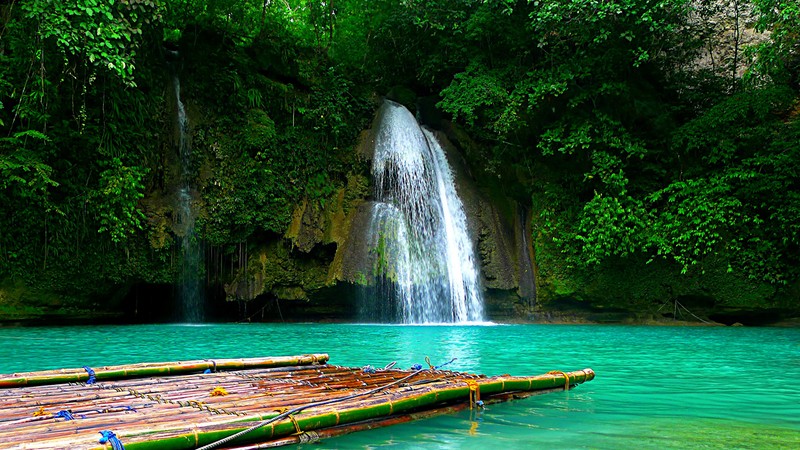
{"x":153,"y":369}
{"x":340,"y":430}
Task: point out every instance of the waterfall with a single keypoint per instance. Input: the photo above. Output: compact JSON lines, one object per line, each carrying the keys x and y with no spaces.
{"x":190,"y":289}
{"x":421,"y":256}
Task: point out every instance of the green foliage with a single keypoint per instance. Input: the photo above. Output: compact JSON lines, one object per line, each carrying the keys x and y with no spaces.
{"x":248,"y":192}
{"x":736,"y":202}
{"x":610,"y":226}
{"x":335,"y":106}
{"x":696,"y":220}
{"x":778,"y":58}
{"x":172,"y":35}
{"x":742,"y":204}
{"x":104,"y":34}
{"x":601,"y":112}
{"x":260,"y":131}
{"x":381,"y":258}
{"x":73,"y":121}
{"x":478,"y":93}
{"x":639,"y":152}
{"x":22,"y":174}
{"x":119,"y":191}
{"x":291,"y":144}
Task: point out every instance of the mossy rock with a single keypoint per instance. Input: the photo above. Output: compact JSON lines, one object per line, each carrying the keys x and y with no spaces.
{"x":21,"y":303}
{"x":637,"y":286}
{"x":260,"y":131}
{"x":274,"y":268}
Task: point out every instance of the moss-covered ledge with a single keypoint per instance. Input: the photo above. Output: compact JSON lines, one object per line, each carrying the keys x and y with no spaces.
{"x":24,"y":305}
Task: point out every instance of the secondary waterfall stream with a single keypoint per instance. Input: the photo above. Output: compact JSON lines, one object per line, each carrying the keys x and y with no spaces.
{"x":190,"y":289}
{"x":421,"y":255}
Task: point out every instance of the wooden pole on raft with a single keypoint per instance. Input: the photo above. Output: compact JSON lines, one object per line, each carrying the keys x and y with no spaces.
{"x":153,"y":369}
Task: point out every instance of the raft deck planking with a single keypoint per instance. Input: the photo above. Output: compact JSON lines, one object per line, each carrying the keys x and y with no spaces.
{"x":177,"y":406}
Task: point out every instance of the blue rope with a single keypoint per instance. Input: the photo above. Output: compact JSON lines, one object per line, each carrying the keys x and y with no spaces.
{"x":368,"y":369}
{"x":111,"y":438}
{"x":114,"y":409}
{"x":442,"y":365}
{"x":64,"y":414}
{"x":92,"y":378}
{"x":419,"y":366}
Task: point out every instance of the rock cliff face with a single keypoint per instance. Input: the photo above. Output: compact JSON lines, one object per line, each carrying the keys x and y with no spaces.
{"x":731,"y":28}
{"x":307,"y":258}
{"x":500,"y":228}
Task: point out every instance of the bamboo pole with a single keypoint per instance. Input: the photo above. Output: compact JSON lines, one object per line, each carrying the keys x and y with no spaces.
{"x":340,"y":430}
{"x":154,"y":369}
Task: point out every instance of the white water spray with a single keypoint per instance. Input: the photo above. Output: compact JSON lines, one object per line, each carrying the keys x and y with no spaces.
{"x":421,"y":254}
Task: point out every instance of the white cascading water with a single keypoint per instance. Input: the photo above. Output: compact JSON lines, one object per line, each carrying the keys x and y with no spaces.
{"x":420,"y":252}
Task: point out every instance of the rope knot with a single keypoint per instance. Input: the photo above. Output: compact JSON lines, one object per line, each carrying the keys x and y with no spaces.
{"x":297,"y":429}
{"x":287,"y":413}
{"x":111,"y":438}
{"x":474,"y":394}
{"x":91,"y":373}
{"x":566,"y":377}
{"x":64,"y":414}
{"x":213,"y":368}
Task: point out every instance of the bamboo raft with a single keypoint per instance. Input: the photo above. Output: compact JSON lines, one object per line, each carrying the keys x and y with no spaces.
{"x":241,"y":404}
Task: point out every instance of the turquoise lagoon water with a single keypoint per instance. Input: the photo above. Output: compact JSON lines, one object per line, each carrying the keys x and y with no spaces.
{"x":656,"y":387}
